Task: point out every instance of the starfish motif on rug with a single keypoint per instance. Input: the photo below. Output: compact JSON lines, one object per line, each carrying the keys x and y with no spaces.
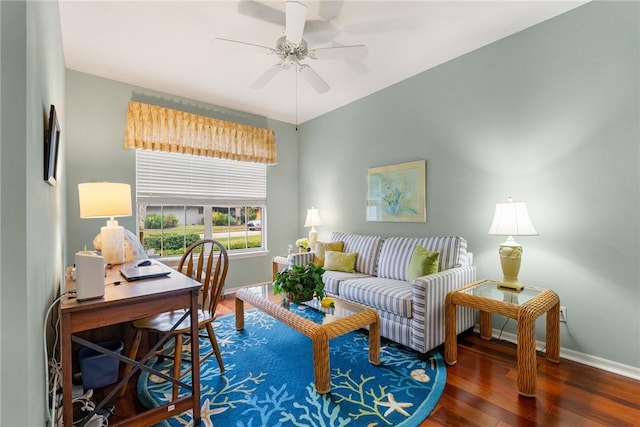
{"x":394,"y":406}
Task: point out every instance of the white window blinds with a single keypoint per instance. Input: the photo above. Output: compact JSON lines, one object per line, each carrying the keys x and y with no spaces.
{"x":174,"y":178}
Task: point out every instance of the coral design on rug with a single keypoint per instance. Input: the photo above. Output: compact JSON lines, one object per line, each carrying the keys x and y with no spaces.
{"x":268,"y":380}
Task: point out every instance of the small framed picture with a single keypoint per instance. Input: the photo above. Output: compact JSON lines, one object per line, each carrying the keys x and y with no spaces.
{"x":51,"y":142}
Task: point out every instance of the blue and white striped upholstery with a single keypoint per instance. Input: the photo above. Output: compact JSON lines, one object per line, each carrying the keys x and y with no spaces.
{"x":396,"y":328}
{"x":452,"y":249}
{"x":396,"y":252}
{"x":429,"y":292}
{"x":301,"y":258}
{"x":411,"y":314}
{"x":367,"y":248}
{"x":332,"y":280}
{"x":389,"y":295}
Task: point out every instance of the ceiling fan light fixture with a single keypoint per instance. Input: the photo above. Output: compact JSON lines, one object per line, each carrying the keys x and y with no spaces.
{"x":291,"y":48}
{"x":286,"y":50}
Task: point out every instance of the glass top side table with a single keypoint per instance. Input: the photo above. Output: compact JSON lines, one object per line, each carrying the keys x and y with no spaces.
{"x":524,"y":306}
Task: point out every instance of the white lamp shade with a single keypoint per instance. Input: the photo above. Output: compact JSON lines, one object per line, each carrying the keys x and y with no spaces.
{"x":104,"y":199}
{"x":313,"y":218}
{"x":512,"y":219}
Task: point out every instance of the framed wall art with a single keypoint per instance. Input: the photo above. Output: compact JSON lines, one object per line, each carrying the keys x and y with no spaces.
{"x":51,"y":142}
{"x":396,"y":193}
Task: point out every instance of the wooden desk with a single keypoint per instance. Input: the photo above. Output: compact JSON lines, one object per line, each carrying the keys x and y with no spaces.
{"x":123,"y":303}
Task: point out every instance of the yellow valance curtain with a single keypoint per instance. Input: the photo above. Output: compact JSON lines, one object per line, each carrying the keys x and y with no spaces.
{"x":163,"y":129}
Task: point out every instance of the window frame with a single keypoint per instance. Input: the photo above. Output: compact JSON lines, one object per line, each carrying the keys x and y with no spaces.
{"x":223,"y":198}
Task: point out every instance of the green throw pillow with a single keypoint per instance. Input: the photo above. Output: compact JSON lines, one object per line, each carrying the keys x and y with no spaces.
{"x":340,"y":261}
{"x":423,"y":262}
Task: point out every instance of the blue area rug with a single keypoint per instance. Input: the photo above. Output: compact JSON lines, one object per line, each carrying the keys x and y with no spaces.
{"x":268,"y":380}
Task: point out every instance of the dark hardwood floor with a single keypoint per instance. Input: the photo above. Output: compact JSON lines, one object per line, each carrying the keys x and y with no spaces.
{"x":481,"y":390}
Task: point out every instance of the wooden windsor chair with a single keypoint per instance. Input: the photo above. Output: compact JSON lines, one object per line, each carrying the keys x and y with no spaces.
{"x":206,"y":261}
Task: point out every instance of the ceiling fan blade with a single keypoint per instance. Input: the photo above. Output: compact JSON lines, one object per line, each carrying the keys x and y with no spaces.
{"x":266,"y":77}
{"x":319,"y":31}
{"x":329,"y":10}
{"x":384,"y":25}
{"x":340,"y":52}
{"x":244,"y":44}
{"x":296,"y":14}
{"x":314,"y":79}
{"x":260,"y":11}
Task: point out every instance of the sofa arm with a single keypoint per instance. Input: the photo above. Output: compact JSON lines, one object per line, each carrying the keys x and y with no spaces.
{"x":429,"y":294}
{"x":301,"y":258}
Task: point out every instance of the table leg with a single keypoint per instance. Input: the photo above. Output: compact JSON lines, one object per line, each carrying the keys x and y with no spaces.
{"x":450,"y":327}
{"x":195,"y":358}
{"x":553,"y":333}
{"x":486,"y":325}
{"x":321,"y":371}
{"x":374,"y":342}
{"x":239,"y":314}
{"x":526,"y":353}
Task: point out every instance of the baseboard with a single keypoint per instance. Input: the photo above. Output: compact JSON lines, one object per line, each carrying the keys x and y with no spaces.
{"x":576,"y":356}
{"x":234,"y":289}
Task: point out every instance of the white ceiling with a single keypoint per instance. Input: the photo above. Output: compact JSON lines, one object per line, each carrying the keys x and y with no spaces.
{"x":169,"y":46}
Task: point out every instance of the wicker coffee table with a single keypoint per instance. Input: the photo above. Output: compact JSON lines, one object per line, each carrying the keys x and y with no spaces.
{"x":525,"y":306}
{"x":342,"y":319}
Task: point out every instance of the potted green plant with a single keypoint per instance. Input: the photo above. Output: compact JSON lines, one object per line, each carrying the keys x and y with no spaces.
{"x":300,"y":283}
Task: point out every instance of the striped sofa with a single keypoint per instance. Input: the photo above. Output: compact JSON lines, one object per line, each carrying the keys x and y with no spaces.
{"x":411,"y":314}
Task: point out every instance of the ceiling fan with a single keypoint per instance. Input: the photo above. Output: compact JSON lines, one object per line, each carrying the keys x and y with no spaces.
{"x":292,"y":49}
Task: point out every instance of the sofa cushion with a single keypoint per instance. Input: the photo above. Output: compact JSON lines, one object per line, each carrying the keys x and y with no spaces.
{"x":383,"y":294}
{"x":340,"y":261}
{"x":422,"y":263}
{"x":396,"y":252}
{"x":366,"y":246}
{"x":322,"y":247}
{"x":452,"y":250}
{"x":332,"y":280}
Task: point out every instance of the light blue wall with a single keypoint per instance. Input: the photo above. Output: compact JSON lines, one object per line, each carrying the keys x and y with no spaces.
{"x":97,"y":109}
{"x":549,"y":115}
{"x":32,"y":214}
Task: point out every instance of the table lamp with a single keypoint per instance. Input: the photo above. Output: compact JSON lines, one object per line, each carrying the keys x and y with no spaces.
{"x":511,"y":219}
{"x":107,"y":200}
{"x":313,"y":220}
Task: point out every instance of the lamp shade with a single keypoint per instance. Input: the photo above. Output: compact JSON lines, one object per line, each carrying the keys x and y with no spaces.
{"x":313,"y":218}
{"x":104,"y":199}
{"x":512,"y":219}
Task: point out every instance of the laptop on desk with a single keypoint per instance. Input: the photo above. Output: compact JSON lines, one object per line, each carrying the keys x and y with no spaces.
{"x":134,"y":271}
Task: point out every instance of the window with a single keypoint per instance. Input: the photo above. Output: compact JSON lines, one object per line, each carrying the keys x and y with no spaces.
{"x":182,"y":198}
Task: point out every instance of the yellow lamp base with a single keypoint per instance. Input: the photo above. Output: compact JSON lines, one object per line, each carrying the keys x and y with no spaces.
{"x":516,"y":287}
{"x":510,"y":257}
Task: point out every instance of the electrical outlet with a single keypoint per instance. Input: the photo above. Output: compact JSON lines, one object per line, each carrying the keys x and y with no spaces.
{"x":563,"y":314}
